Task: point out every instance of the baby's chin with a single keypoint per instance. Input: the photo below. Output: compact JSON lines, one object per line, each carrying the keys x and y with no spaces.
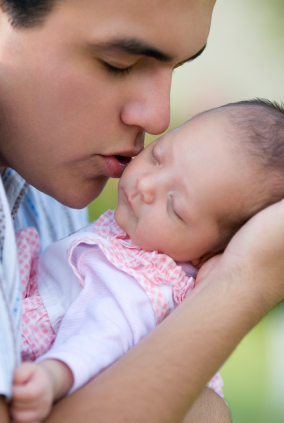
{"x":120,"y":220}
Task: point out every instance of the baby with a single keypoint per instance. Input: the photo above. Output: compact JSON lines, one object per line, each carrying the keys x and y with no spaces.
{"x":92,"y":296}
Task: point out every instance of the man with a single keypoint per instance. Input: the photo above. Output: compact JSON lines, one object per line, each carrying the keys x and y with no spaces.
{"x":80,"y":82}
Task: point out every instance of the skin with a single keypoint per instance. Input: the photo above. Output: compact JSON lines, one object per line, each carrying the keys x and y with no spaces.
{"x":171,"y":199}
{"x":236,"y":281}
{"x":3,"y":410}
{"x":152,"y":189}
{"x":208,"y":403}
{"x":174,"y":195}
{"x":36,"y":65}
{"x":106,"y":112}
{"x":60,"y":144}
{"x":36,"y":386}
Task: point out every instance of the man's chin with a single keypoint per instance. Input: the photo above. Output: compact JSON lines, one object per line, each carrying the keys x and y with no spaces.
{"x":79,"y":198}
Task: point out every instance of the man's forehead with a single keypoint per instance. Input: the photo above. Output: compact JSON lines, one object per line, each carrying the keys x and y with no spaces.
{"x":168,"y":25}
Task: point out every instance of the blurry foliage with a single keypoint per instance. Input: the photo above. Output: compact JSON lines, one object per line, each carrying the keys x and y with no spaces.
{"x":276,"y":6}
{"x":107,"y":200}
{"x":274,"y":16}
{"x":246,"y":378}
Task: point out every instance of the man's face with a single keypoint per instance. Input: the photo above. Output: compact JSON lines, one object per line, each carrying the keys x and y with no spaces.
{"x":80,"y":90}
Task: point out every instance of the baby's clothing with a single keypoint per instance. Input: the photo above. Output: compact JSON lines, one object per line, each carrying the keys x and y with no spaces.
{"x":94,"y":295}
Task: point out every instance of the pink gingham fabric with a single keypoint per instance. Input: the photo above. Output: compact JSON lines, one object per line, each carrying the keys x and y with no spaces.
{"x":216,"y":383}
{"x":37,"y":333}
{"x":150,"y":268}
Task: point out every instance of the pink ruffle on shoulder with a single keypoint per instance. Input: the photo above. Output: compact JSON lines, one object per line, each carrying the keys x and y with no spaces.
{"x":150,"y":268}
{"x":37,"y":333}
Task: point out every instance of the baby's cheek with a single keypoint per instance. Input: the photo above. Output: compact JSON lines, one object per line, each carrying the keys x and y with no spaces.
{"x":122,"y":219}
{"x":146,"y":237}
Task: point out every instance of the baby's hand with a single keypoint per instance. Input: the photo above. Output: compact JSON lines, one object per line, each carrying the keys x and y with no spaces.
{"x":32,"y":393}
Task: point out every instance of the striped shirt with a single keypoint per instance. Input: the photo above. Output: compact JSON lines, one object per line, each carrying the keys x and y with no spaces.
{"x":12,"y":192}
{"x":26,"y":207}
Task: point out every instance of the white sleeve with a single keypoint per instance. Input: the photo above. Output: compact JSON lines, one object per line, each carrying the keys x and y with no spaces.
{"x":111,"y":314}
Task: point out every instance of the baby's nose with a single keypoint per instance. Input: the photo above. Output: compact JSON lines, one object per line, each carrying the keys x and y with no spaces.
{"x":145,"y":185}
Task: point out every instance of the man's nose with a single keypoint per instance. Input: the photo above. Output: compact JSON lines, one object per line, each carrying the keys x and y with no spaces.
{"x":149,"y":104}
{"x":146,"y":188}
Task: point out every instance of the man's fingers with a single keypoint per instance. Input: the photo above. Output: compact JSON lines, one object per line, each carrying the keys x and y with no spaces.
{"x":256,"y":254}
{"x":262,"y":234}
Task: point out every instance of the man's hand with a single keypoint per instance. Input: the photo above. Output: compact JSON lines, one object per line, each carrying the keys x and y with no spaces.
{"x":257,"y":253}
{"x":254,"y":258}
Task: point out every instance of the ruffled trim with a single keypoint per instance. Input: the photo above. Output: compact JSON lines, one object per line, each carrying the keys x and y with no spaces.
{"x":157,"y":267}
{"x":150,"y":268}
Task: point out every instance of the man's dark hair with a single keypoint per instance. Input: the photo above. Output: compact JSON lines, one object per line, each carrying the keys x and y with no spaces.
{"x":27,"y":13}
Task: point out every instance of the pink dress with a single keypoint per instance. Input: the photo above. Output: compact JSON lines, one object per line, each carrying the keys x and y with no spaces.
{"x":153,"y":272}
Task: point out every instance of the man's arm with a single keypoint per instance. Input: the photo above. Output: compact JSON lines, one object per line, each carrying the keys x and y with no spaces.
{"x":4,"y":415}
{"x":161,"y":377}
{"x":208,"y":408}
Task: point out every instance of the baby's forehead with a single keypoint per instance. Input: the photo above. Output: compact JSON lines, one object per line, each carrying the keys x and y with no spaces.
{"x":213,"y":127}
{"x":219,"y":116}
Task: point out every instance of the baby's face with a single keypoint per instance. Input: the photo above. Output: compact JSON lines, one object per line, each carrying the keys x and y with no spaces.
{"x":174,"y":196}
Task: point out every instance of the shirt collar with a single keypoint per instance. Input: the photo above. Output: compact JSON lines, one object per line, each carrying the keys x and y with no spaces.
{"x":16,"y":188}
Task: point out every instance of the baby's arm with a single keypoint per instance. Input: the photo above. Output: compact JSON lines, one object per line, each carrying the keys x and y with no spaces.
{"x":36,"y":387}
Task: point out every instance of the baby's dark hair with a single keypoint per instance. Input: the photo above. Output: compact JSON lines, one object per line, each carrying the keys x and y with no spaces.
{"x":258,"y":127}
{"x":27,"y":13}
{"x":260,"y":124}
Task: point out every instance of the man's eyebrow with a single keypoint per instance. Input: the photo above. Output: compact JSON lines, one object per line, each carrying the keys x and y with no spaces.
{"x":133,"y":46}
{"x":190,"y":59}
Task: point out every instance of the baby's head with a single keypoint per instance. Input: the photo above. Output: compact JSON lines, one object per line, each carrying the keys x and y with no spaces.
{"x":189,"y":191}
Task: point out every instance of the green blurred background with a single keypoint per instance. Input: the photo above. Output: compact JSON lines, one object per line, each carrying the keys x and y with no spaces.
{"x":244,"y":59}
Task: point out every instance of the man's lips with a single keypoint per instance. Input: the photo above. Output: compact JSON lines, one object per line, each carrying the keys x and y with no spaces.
{"x":115,"y":165}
